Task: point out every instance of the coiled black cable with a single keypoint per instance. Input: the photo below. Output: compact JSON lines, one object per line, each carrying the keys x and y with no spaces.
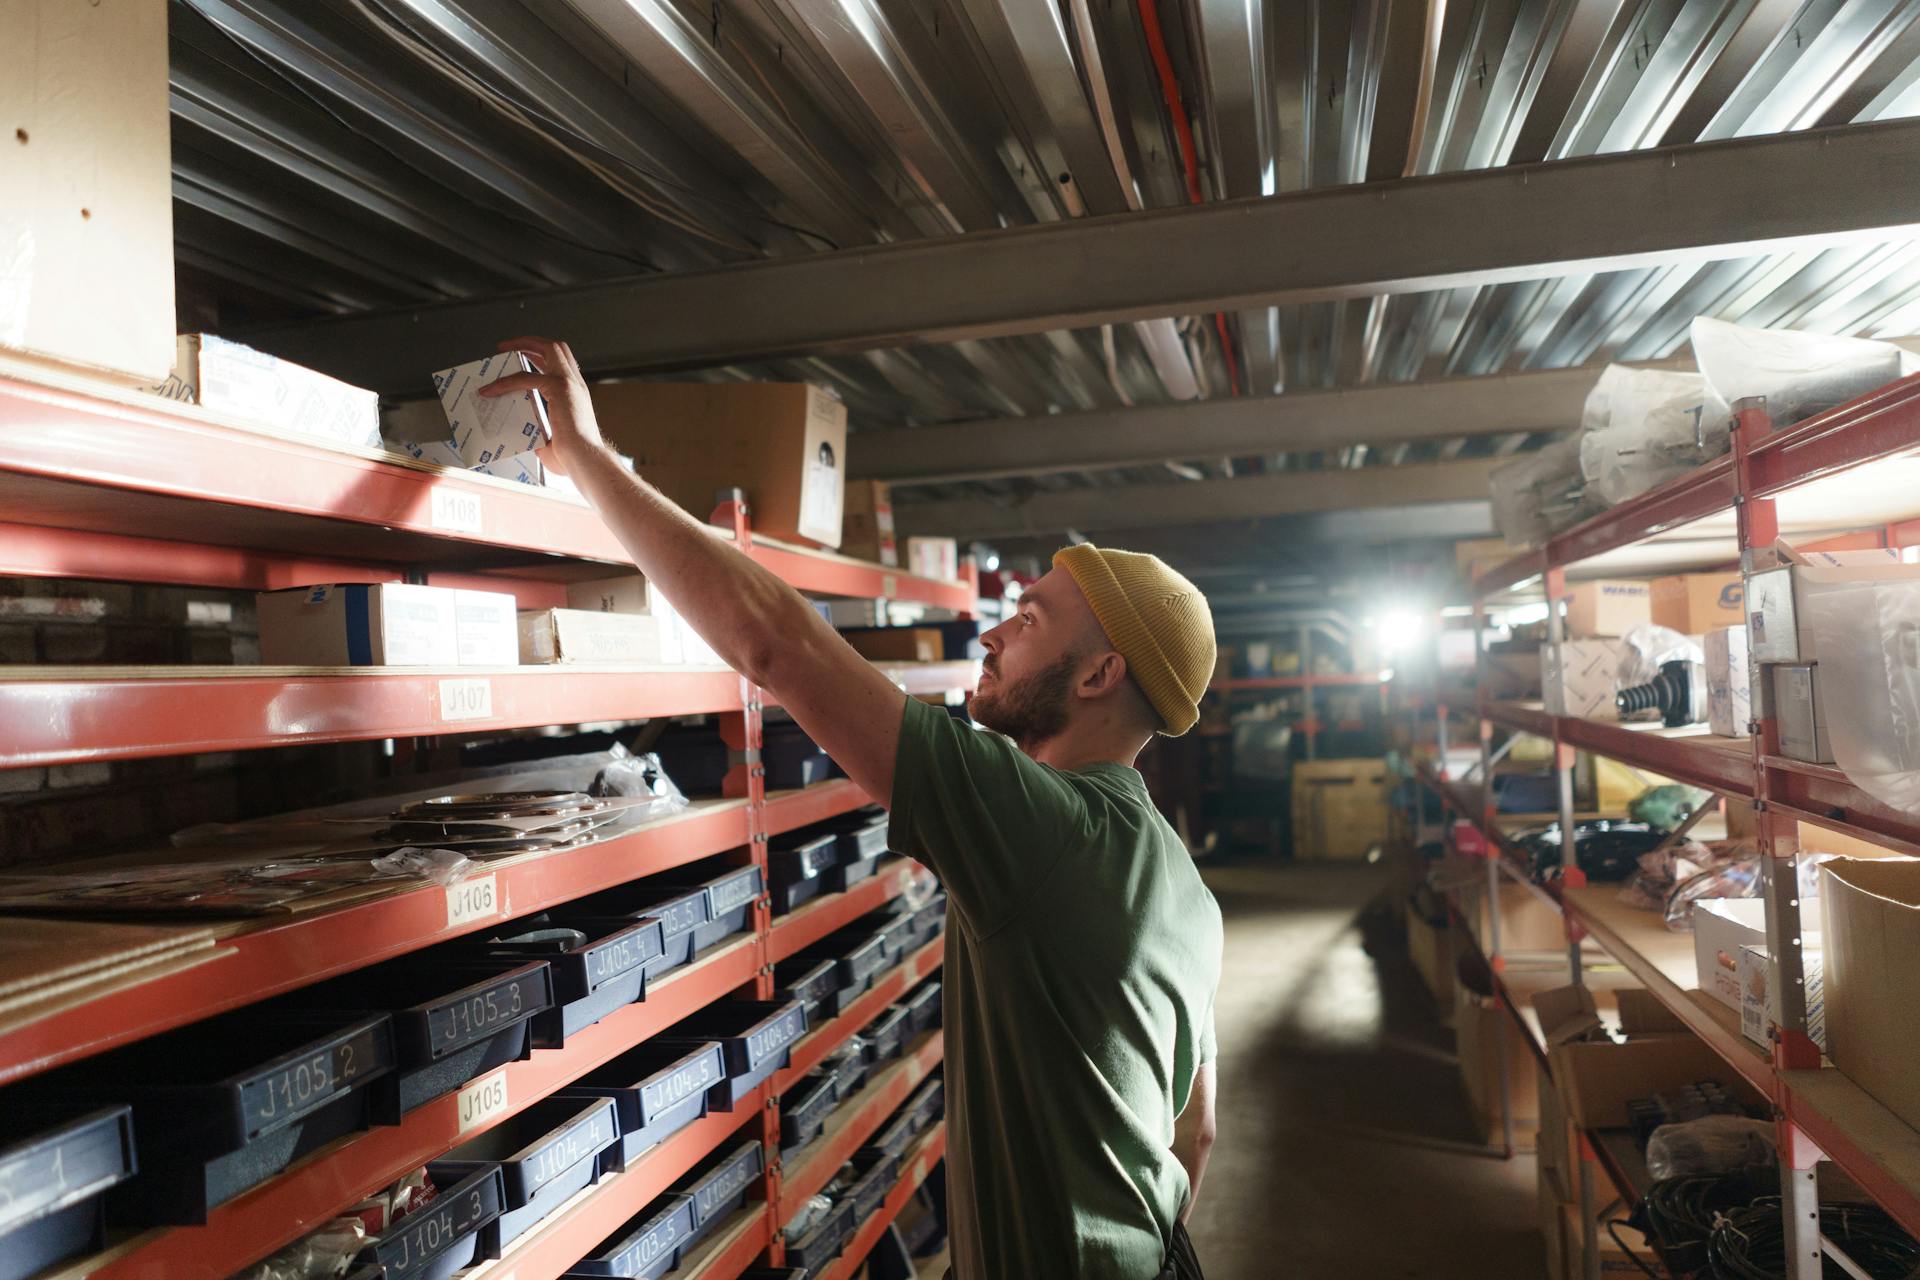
{"x":1680,"y":1214}
{"x":1750,"y":1243}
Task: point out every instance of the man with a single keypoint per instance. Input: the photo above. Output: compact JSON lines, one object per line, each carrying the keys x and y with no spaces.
{"x":1081,"y":974}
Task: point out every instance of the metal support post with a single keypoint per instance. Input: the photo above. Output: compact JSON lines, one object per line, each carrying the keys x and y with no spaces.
{"x":1555,"y":584}
{"x":1800,"y":1202}
{"x":1306,"y":687}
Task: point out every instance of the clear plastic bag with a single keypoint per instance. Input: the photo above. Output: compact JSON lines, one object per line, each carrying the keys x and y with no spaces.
{"x":1643,"y":427}
{"x":1711,"y":1146}
{"x":1869,"y":684}
{"x":806,"y":1218}
{"x":1799,"y":374}
{"x":1536,"y":496}
{"x":638,"y":777}
{"x":327,"y":1252}
{"x":1737,"y":877}
{"x":442,"y":866}
{"x":1646,"y":646}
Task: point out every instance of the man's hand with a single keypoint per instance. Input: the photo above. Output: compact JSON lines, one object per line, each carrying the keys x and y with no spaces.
{"x":558,"y":381}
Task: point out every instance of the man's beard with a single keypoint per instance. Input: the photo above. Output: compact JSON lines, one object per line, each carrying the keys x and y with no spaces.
{"x":1034,"y":708}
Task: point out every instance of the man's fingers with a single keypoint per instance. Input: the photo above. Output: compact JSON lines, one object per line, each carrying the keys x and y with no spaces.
{"x":545,"y":352}
{"x":546,"y":384}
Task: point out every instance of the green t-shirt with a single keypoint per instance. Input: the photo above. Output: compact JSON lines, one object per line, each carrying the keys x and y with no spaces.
{"x":1081,"y":962}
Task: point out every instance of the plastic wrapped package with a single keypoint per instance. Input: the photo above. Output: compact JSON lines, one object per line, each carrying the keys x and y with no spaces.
{"x":1799,"y":374}
{"x":1869,"y":644}
{"x":327,"y":1252}
{"x":639,"y":777}
{"x":1710,"y":1146}
{"x":1539,"y":494}
{"x":1666,"y":807}
{"x":1647,"y":646}
{"x":807,"y":1217}
{"x":442,"y":866}
{"x":1662,"y":869}
{"x":1643,"y":427}
{"x":1735,"y":877}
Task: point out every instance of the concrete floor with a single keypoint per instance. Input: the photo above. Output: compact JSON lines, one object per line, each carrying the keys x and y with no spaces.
{"x":1345,"y":1149}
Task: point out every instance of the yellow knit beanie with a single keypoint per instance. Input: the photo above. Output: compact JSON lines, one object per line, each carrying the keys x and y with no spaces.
{"x":1158,"y":621}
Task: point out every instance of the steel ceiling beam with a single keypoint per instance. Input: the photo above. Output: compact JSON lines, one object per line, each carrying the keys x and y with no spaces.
{"x":1251,"y":498}
{"x":1604,"y":213}
{"x":1150,"y":434}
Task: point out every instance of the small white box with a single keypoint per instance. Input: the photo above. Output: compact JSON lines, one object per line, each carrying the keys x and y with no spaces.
{"x":1583,"y":683}
{"x":485,"y":627}
{"x":269,"y":394}
{"x":628,"y":593}
{"x":1729,"y":695}
{"x":1760,"y":1004}
{"x":681,"y":644}
{"x":498,"y":436}
{"x":1721,"y":927}
{"x":390,"y":624}
{"x":933,"y":558}
{"x":582,"y":635}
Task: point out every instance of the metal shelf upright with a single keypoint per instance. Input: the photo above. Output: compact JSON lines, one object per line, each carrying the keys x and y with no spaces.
{"x":1822,"y":1115}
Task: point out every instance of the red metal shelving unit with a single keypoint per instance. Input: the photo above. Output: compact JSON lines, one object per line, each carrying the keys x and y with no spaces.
{"x":857,"y":1120}
{"x":888,"y":987}
{"x":817,"y":919}
{"x":88,"y":475}
{"x":915,"y":1168}
{"x":1823,"y":1114}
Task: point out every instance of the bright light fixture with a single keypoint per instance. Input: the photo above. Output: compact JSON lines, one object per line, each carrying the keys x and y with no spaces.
{"x":1398,"y":630}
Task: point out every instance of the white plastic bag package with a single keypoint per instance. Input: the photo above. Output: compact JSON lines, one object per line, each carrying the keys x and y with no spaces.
{"x":1711,"y":1146}
{"x":1648,"y":645}
{"x":1536,"y":496}
{"x":1868,"y":635}
{"x":1643,"y":427}
{"x":1800,"y":374}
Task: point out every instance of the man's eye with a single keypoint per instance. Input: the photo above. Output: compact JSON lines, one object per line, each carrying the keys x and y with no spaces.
{"x":1027,"y":618}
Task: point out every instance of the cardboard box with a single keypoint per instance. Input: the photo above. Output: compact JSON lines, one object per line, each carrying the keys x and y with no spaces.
{"x":934,"y":558}
{"x":866,"y":523}
{"x":388,"y":624}
{"x":494,"y":436}
{"x":1607,"y":608}
{"x":1557,"y":1143}
{"x":628,"y":593}
{"x":1526,"y":923}
{"x":86,"y":229}
{"x":584,"y":635}
{"x":783,"y":443}
{"x":1760,"y":1003}
{"x":1870,"y":912}
{"x":1339,"y":808}
{"x":485,"y":629}
{"x":680,"y":644}
{"x":1583,"y":683}
{"x":898,"y":644}
{"x":1729,"y":694}
{"x":1511,"y":674}
{"x":1550,"y":1205}
{"x":270,"y":394}
{"x":1481,"y":1030}
{"x":1721,"y":927}
{"x":1693,"y":603}
{"x":1781,"y":601}
{"x":1800,"y":713}
{"x":1597,"y":1077}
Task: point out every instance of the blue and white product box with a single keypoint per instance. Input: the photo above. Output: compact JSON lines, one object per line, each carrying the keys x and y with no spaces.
{"x":486,"y":628}
{"x":495,"y":436}
{"x":376,"y":624}
{"x":269,"y":394}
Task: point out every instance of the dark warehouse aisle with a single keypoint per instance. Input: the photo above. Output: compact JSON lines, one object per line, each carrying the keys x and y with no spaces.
{"x":1345,"y":1150}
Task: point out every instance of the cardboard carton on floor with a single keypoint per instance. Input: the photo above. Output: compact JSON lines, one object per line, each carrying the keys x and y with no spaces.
{"x":1693,"y":603}
{"x":783,"y":443}
{"x":1607,"y":608}
{"x":1481,"y":1030}
{"x":1870,"y":909}
{"x":378,"y":624}
{"x":1550,"y":1201}
{"x":1431,"y":947}
{"x":1339,"y":808}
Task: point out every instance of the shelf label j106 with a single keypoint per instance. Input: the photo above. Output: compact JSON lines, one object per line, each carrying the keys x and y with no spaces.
{"x":477,"y":898}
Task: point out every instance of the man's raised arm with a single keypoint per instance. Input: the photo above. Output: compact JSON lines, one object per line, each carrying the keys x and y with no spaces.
{"x":759,"y":626}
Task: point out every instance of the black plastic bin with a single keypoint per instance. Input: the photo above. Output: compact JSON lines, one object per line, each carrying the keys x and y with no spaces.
{"x":221,"y":1106}
{"x":842,"y":876}
{"x":861,"y":836}
{"x":757,"y":1037}
{"x":885,"y":1035}
{"x":878,"y":1174}
{"x":433,"y":1242}
{"x":809,"y":981}
{"x":546,"y":1153}
{"x":927,"y":1105}
{"x":791,"y":759}
{"x":824,"y":1243}
{"x":797,"y":863}
{"x":454,"y":1019}
{"x":599,"y":965}
{"x":730,"y":898}
{"x":657,"y":1090}
{"x":720,"y":1186}
{"x":897,"y":928}
{"x":805,"y":1107}
{"x":859,"y":952}
{"x":696,"y":759}
{"x":680,"y":911}
{"x":930,"y":920}
{"x":923,"y":1008}
{"x":53,"y":1185}
{"x":647,"y":1246}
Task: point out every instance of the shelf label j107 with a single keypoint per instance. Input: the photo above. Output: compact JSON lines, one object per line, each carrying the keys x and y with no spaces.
{"x":466,"y":699}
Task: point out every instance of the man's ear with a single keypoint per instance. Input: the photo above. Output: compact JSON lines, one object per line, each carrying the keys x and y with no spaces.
{"x":1109,"y":675}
